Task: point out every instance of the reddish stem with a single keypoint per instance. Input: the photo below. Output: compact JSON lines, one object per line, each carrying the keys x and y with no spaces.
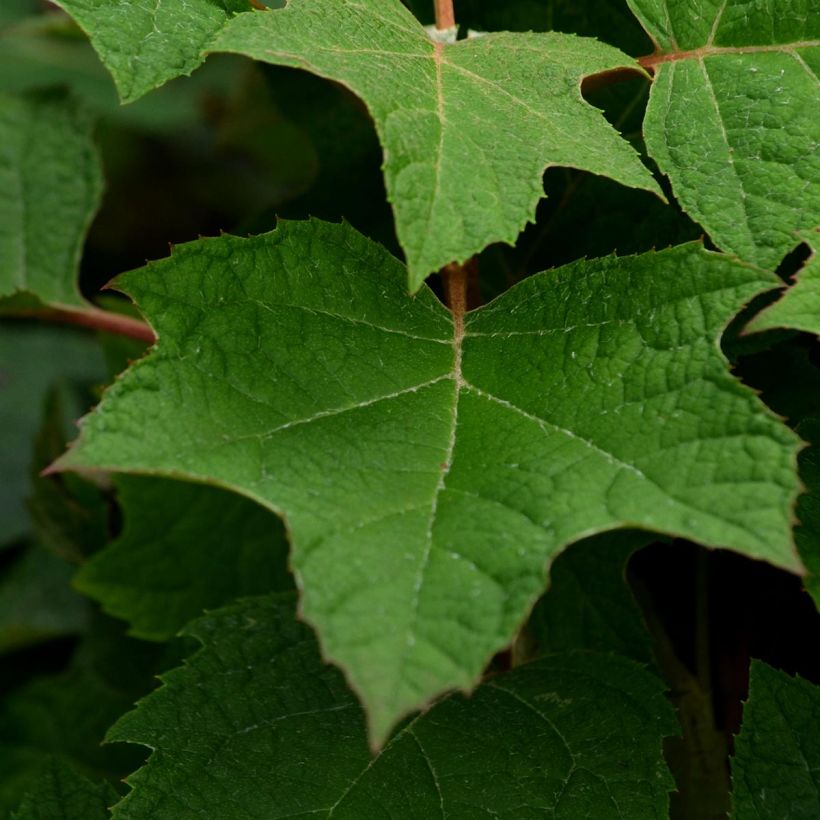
{"x":455,"y":291}
{"x":445,"y":16}
{"x":96,"y":320}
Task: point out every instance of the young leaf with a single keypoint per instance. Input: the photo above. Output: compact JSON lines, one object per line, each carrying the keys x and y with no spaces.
{"x":255,"y":725}
{"x":423,"y":464}
{"x":50,"y":187}
{"x":185,"y":548}
{"x":732,"y":117}
{"x":467,"y":128}
{"x":776,"y":767}
{"x":799,"y":308}
{"x":62,"y":794}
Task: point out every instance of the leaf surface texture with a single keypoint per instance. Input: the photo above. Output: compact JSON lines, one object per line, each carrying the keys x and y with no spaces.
{"x":424,"y":467}
{"x":255,"y":725}
{"x":50,"y":187}
{"x":777,"y":753}
{"x":732,"y":117}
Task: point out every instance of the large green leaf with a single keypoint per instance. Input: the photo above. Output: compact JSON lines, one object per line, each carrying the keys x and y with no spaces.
{"x":732,"y":117}
{"x":799,"y":308}
{"x":776,"y":767}
{"x":423,"y":466}
{"x":467,"y":128}
{"x":50,"y":187}
{"x":62,"y":794}
{"x":255,"y":725}
{"x":185,"y":548}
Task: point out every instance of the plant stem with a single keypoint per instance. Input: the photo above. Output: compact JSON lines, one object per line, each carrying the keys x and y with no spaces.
{"x":95,"y":319}
{"x":445,"y":16}
{"x":455,"y":290}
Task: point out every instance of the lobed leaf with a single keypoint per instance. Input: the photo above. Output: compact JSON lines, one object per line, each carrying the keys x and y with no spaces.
{"x":777,"y":753}
{"x":467,"y":128}
{"x":425,"y":464}
{"x":255,"y":725}
{"x":731,"y":117}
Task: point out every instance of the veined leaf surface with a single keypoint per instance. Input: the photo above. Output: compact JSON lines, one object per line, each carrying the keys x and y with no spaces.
{"x":255,"y":725}
{"x":777,"y":753}
{"x":732,"y":117}
{"x":467,"y":128}
{"x":424,"y":462}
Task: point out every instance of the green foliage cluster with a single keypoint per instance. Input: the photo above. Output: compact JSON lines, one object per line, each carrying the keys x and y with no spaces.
{"x":542,"y":280}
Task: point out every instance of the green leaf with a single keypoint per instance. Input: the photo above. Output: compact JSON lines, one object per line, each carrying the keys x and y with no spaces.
{"x":807,"y":534}
{"x":467,"y":129}
{"x":731,"y":117}
{"x":50,"y":187}
{"x":799,"y":308}
{"x":66,"y":715}
{"x":145,"y":43}
{"x":777,"y":753}
{"x":255,"y":725}
{"x":185,"y":548}
{"x":589,"y":604}
{"x":424,"y":467}
{"x":62,"y":794}
{"x":37,"y":602}
{"x":32,"y":361}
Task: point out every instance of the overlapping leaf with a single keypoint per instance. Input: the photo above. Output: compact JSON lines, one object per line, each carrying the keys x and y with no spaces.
{"x":65,"y":716}
{"x":424,"y":465}
{"x":64,"y":794}
{"x":467,"y":128}
{"x":255,"y":725}
{"x":185,"y":548}
{"x":799,"y":308}
{"x":589,"y":604}
{"x":50,"y":187}
{"x":776,"y":767}
{"x":732,"y":117}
